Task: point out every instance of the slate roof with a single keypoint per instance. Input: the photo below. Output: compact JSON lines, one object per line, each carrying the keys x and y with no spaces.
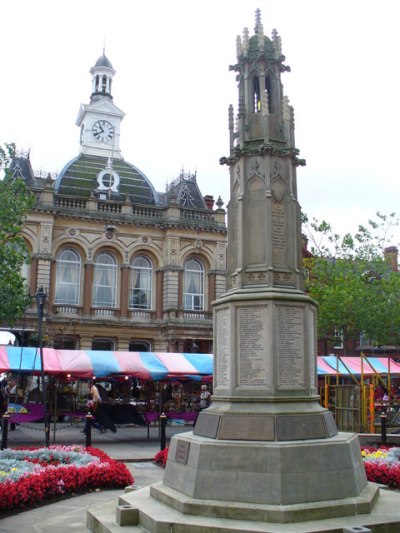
{"x":103,"y":61}
{"x":21,"y":167}
{"x":187,"y":192}
{"x":79,"y":178}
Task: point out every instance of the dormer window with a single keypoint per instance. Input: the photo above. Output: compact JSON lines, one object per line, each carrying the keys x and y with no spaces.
{"x":108,"y":179}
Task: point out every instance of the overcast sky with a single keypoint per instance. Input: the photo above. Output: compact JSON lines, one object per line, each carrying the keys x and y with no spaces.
{"x":174,"y":85}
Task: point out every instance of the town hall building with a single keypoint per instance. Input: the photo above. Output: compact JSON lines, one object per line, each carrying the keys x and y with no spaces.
{"x":125,"y":267}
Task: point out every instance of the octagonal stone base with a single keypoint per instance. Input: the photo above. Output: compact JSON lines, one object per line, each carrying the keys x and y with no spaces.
{"x":260,"y":473}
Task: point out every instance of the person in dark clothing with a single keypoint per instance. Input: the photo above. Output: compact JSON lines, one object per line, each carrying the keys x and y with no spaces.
{"x":92,"y":407}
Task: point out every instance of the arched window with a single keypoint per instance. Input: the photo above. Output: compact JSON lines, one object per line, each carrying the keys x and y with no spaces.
{"x":193,"y":285}
{"x":139,"y":346}
{"x":105,"y":280}
{"x":268,"y":88}
{"x":103,"y":344}
{"x":140,"y":296}
{"x":25,"y":274}
{"x":257,"y":95}
{"x":64,"y":343}
{"x":68,"y":277}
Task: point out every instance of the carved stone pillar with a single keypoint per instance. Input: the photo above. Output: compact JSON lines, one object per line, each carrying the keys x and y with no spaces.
{"x":52,"y":286}
{"x":172,"y":345}
{"x":33,"y":276}
{"x":180,"y":288}
{"x":124,"y":290}
{"x":87,"y":288}
{"x":211,"y":290}
{"x":159,"y":294}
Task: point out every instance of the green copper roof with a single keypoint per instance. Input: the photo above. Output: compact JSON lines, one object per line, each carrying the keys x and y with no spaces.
{"x":79,"y":178}
{"x":254,"y":48}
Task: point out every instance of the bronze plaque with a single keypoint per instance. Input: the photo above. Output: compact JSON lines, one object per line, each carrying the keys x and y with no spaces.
{"x":330,"y":424}
{"x":206,"y":425}
{"x":250,"y":427}
{"x":300,"y":427}
{"x":182,"y":451}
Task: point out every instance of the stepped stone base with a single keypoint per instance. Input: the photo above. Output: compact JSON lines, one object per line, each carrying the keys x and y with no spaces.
{"x":216,"y":486}
{"x":154,"y":516}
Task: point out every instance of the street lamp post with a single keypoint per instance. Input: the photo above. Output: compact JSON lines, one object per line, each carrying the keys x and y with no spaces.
{"x":40,"y":297}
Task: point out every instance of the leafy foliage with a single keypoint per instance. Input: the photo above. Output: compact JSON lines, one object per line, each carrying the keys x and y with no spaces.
{"x":355,"y":285}
{"x":15,"y":203}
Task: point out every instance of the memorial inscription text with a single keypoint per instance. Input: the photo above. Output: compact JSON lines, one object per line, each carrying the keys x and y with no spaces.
{"x":252,"y":342}
{"x":290,"y":346}
{"x":223,"y":349}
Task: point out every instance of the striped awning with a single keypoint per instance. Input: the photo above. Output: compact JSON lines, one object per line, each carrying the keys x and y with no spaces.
{"x":89,"y":363}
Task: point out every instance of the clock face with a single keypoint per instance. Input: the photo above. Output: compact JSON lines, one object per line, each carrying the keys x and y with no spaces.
{"x":103,"y":131}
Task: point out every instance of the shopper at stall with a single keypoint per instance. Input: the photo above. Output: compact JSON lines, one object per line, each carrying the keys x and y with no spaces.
{"x":205,"y":397}
{"x":92,"y":404}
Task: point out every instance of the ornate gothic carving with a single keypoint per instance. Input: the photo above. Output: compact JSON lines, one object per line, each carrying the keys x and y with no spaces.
{"x":256,"y":277}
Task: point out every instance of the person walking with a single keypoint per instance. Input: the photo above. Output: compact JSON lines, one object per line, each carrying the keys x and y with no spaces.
{"x":93,"y":403}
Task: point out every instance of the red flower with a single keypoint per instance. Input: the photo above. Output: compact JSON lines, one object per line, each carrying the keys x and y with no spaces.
{"x":161,"y":457}
{"x":55,"y":480}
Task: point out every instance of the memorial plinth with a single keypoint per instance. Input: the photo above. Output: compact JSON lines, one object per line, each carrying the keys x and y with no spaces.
{"x":265,"y":453}
{"x":265,"y":440}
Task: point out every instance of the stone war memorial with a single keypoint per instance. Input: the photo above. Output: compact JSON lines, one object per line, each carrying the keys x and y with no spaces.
{"x":265,"y":456}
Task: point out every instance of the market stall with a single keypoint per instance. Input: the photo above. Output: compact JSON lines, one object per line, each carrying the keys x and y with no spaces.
{"x":156,"y":373}
{"x":360,"y":389}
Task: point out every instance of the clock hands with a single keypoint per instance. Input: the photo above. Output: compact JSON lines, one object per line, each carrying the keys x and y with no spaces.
{"x":103,"y":130}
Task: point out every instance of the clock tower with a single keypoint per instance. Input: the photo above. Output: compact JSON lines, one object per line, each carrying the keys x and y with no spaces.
{"x":100,"y":120}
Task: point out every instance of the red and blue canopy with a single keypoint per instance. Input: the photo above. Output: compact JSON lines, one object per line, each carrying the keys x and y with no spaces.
{"x":159,"y":365}
{"x":331,"y":364}
{"x":86,"y":363}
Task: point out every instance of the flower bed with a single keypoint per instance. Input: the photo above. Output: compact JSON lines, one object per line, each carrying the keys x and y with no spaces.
{"x":382,"y":466}
{"x":29,"y":476}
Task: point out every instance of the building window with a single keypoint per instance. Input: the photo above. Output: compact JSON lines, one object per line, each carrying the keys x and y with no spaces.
{"x":68,"y":277}
{"x":140,"y":296}
{"x":103,"y":345}
{"x":139,"y":346}
{"x":366,"y":342}
{"x":105,"y":280}
{"x":338,"y":339}
{"x":193,"y":285}
{"x":25,"y":274}
{"x":65,"y":343}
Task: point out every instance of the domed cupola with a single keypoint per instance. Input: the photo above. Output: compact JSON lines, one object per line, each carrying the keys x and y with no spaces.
{"x":100,"y":120}
{"x":100,"y":170}
{"x":102,"y":73}
{"x":103,"y":61}
{"x":105,"y":179}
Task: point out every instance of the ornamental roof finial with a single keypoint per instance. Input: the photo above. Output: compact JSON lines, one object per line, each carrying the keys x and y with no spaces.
{"x":258,"y":20}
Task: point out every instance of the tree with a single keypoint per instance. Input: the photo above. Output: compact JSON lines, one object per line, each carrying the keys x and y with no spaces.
{"x":353,"y":281}
{"x":15,"y":202}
